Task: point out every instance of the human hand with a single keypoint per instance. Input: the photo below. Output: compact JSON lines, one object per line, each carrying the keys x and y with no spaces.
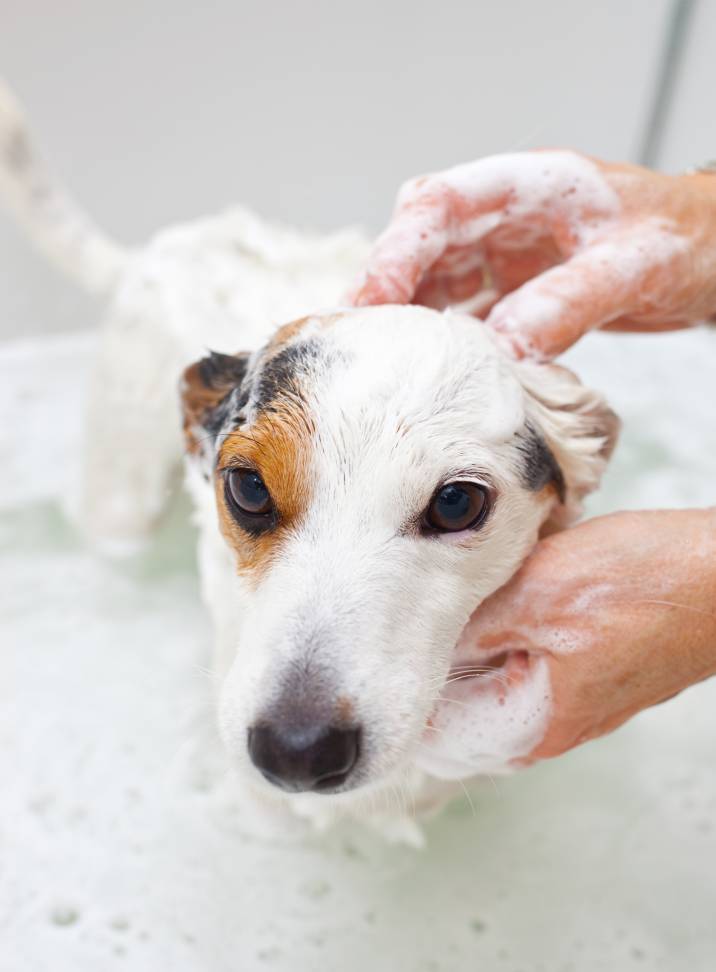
{"x":622,"y":609}
{"x":549,"y":245}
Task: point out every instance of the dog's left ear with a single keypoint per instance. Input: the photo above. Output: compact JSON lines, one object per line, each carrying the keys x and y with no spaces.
{"x":579,"y":430}
{"x":205,"y":388}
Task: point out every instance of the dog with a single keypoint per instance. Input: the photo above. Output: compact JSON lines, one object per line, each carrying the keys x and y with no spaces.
{"x":362,"y":480}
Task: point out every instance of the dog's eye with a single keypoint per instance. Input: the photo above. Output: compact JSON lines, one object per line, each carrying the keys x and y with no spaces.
{"x":457,"y":506}
{"x":247,"y":492}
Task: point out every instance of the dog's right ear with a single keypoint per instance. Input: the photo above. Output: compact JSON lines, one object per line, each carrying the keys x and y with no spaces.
{"x":577,"y":427}
{"x":206,"y":388}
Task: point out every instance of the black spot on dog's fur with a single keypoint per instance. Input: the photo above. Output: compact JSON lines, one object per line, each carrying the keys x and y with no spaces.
{"x":279,"y":378}
{"x":223,"y":370}
{"x":230,"y":387}
{"x":539,"y":467}
{"x":216,"y":419}
{"x":220,"y":393}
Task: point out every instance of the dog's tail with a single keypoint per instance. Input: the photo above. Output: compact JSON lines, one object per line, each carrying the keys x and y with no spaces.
{"x":51,"y":218}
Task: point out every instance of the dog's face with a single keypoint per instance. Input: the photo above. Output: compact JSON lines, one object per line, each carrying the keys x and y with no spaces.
{"x":378,"y":472}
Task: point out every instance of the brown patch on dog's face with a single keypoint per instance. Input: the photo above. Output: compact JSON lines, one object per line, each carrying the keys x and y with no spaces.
{"x":287,"y":331}
{"x":259,"y":421}
{"x":278,"y":447}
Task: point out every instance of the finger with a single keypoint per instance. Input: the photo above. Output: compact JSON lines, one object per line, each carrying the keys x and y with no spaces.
{"x":432,"y":217}
{"x":459,"y":207}
{"x":401,"y":256}
{"x":602,"y":284}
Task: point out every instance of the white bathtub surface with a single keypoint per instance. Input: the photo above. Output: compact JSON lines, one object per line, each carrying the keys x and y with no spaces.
{"x":121,"y":842}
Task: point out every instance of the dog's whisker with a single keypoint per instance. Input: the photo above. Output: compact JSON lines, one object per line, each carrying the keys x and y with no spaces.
{"x":502,"y":678}
{"x":402,"y":798}
{"x":411,"y":793}
{"x":408,"y":800}
{"x":469,"y":669}
{"x":400,"y":795}
{"x":395,"y":797}
{"x":469,"y":798}
{"x":493,"y":674}
{"x":386,"y":800}
{"x":208,"y":673}
{"x":503,"y":682}
{"x":467,"y":672}
{"x":408,"y":792}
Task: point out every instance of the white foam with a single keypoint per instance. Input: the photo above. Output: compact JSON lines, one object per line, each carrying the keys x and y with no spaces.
{"x":482,"y":725}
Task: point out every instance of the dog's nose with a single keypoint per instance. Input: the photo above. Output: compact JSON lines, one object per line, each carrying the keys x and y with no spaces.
{"x":316,"y":757}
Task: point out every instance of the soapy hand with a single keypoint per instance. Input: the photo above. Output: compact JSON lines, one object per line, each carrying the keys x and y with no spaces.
{"x":548,"y":245}
{"x":621,"y":608}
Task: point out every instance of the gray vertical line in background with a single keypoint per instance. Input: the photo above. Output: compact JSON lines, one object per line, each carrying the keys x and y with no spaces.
{"x":667,"y":76}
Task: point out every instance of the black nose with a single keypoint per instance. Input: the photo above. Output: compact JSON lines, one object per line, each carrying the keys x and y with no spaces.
{"x":315,"y":757}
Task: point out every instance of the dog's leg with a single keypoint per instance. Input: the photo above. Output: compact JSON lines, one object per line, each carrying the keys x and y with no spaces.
{"x":132,"y":437}
{"x":132,"y":443}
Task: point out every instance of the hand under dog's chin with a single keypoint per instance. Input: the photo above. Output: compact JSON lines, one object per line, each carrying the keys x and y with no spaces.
{"x":492,"y":713}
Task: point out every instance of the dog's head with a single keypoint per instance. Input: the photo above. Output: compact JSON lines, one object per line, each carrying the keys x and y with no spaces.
{"x":378,"y":472}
